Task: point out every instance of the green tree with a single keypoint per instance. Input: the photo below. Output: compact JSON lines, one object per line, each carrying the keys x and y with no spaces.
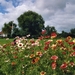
{"x":72,"y":31}
{"x":64,"y":34}
{"x":50,"y":29}
{"x":9,"y":28}
{"x":31,"y":23}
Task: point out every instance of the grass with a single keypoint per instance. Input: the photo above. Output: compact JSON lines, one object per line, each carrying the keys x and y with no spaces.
{"x":5,"y":41}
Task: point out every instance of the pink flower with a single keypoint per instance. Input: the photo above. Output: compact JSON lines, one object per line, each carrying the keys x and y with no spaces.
{"x":53,"y":65}
{"x":43,"y":32}
{"x":53,"y":35}
{"x":63,"y":66}
{"x":54,"y":57}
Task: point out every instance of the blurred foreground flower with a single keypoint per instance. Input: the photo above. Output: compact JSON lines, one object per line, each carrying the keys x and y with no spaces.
{"x":35,"y":60}
{"x":13,"y":63}
{"x":53,"y":65}
{"x":63,"y":66}
{"x":43,"y":32}
{"x":53,"y":35}
{"x":42,"y":73}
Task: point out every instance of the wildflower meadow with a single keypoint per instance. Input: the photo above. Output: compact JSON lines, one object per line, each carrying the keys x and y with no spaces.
{"x":46,"y":55}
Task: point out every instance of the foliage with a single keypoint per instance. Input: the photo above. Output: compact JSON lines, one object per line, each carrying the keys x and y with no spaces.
{"x":72,"y":32}
{"x":9,"y":28}
{"x":50,"y":29}
{"x":31,"y":23}
{"x":38,"y":56}
{"x":64,"y":34}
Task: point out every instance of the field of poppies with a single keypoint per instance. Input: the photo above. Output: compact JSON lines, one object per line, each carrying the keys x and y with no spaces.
{"x":43,"y":56}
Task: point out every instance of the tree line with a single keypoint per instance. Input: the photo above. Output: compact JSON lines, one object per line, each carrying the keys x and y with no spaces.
{"x":31,"y":23}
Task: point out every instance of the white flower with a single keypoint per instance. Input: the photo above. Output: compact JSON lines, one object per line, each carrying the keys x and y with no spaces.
{"x":1,"y":46}
{"x":18,"y":41}
{"x":20,"y":45}
{"x":74,"y":40}
{"x":28,"y":35}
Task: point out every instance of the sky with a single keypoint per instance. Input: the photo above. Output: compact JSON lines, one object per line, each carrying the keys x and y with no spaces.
{"x":57,"y":13}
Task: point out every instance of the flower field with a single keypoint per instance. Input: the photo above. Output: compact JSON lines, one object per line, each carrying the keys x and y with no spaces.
{"x":38,"y":56}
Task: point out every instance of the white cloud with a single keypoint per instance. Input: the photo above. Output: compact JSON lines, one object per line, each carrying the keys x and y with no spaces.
{"x":58,"y":13}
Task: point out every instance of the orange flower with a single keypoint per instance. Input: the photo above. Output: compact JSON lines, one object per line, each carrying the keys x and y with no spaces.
{"x":59,"y":42}
{"x":54,"y":46}
{"x":42,"y":73}
{"x":13,"y":63}
{"x":53,"y":65}
{"x":39,"y":53}
{"x":31,"y":56}
{"x":15,"y":57}
{"x":32,"y":41}
{"x":69,"y":38}
{"x":35,"y":60}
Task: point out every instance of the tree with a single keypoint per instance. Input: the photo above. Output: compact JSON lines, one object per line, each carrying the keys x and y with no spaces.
{"x":72,"y":32}
{"x":50,"y":29}
{"x":9,"y":28}
{"x":31,"y":23}
{"x":64,"y":34}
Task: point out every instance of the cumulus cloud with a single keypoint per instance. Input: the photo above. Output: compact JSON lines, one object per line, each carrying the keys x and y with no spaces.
{"x":57,"y":13}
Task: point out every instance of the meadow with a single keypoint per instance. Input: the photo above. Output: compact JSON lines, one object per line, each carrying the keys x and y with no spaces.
{"x":42,"y":56}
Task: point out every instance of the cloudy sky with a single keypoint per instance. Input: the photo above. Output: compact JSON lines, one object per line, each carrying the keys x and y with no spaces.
{"x":57,"y":13}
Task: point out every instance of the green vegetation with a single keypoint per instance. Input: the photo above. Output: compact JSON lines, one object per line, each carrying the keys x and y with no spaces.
{"x":41,"y":56}
{"x":5,"y":41}
{"x":28,"y":23}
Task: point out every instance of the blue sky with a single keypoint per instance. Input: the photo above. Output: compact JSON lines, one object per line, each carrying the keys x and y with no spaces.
{"x":57,"y":13}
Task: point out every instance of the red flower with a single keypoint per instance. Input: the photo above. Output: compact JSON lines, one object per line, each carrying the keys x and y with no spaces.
{"x":71,"y":43}
{"x":54,"y":57}
{"x":53,"y":35}
{"x":53,"y":65}
{"x":41,"y":37}
{"x":63,"y":66}
{"x":73,"y":47}
{"x":71,"y":64}
{"x":46,"y":47}
{"x":69,"y":38}
{"x":72,"y":54}
{"x":47,"y":43}
{"x":43,"y":32}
